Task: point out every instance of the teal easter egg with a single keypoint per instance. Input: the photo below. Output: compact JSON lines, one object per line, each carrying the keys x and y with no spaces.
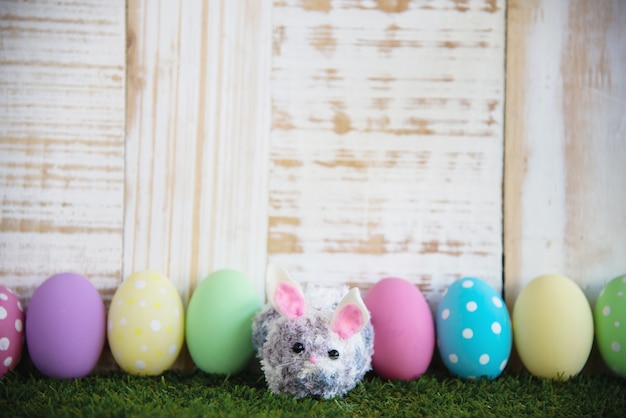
{"x":610,"y":321}
{"x":473,"y":330}
{"x":219,"y":322}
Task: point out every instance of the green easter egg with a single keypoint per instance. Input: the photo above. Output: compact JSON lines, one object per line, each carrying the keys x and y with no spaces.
{"x":219,"y":322}
{"x":610,"y":317}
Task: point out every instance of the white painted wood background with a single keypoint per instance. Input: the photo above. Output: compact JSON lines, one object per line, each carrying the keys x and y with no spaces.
{"x":198,"y":130}
{"x":348,"y":140}
{"x":62,"y":77}
{"x":386,"y":148}
{"x":565,"y":165}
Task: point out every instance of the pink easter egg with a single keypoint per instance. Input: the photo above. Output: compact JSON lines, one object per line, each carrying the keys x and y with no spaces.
{"x":404,"y":331}
{"x":11,"y":330}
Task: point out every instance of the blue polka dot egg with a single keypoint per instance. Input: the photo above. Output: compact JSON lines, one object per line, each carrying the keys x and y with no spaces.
{"x":473,"y":330}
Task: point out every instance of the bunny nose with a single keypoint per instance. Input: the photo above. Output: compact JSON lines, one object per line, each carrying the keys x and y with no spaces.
{"x":313,"y":359}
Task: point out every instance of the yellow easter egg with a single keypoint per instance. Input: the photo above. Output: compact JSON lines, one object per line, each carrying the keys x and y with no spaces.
{"x":146,"y":324}
{"x":553,"y":327}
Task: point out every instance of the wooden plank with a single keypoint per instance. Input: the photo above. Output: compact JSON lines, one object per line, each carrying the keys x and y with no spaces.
{"x":387,"y":141}
{"x":197,"y":138}
{"x":565,"y":206}
{"x":61,"y":141}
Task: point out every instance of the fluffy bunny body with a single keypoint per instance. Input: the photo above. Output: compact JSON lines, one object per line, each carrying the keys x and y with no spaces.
{"x":323,"y":350}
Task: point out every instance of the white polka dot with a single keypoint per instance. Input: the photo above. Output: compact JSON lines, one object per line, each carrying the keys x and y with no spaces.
{"x":19,"y":326}
{"x":471,"y":377}
{"x":606,"y":310}
{"x":144,"y":348}
{"x":143,"y":303}
{"x":620,"y":293}
{"x":496,"y":328}
{"x":8,"y":361}
{"x":615,"y":346}
{"x":3,"y":296}
{"x":122,"y":321}
{"x":617,"y":324}
{"x":172,"y":349}
{"x":484,"y":359}
{"x":616,"y":370}
{"x":140,"y":284}
{"x":601,"y":292}
{"x":110,"y":325}
{"x":468,"y":333}
{"x":444,"y":292}
{"x":467,"y":284}
{"x":4,"y":344}
{"x":118,"y":355}
{"x":176,"y":312}
{"x":140,"y":364}
{"x":496,"y":301}
{"x":3,"y":313}
{"x":19,"y":306}
{"x":156,"y":369}
{"x":163,"y":291}
{"x":471,"y":306}
{"x":119,"y":303}
{"x":624,"y":279}
{"x":503,"y":364}
{"x":155,"y":326}
{"x":454,"y":359}
{"x":445,"y":314}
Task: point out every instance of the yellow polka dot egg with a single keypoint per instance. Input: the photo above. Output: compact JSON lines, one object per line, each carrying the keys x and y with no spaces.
{"x":146,"y":324}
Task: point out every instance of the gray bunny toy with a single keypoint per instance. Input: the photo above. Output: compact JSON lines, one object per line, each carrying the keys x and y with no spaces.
{"x":317,"y":342}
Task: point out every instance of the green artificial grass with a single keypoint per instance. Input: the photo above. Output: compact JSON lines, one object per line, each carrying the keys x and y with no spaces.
{"x":25,"y":392}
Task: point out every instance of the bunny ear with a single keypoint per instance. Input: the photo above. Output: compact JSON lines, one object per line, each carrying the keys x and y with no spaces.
{"x":284,"y":293}
{"x":350,"y":316}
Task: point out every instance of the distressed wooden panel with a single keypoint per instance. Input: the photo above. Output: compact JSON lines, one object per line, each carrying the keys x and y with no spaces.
{"x":387,"y":141}
{"x":62,"y":82}
{"x":565,"y":204}
{"x":198,"y":120}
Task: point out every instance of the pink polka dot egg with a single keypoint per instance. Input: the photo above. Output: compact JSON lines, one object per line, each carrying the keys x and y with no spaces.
{"x":145,"y":326}
{"x":474,"y":335}
{"x":11,"y":330}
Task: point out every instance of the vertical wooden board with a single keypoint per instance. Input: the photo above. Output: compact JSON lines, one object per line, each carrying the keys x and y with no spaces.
{"x":565,"y":206}
{"x":386,"y":152}
{"x":198,"y":119}
{"x":62,"y":87}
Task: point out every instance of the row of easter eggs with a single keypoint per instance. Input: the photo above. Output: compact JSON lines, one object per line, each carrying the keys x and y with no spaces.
{"x":66,"y":326}
{"x":552,"y":326}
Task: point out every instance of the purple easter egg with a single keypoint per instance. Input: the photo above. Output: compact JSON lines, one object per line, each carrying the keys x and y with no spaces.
{"x":65,"y":326}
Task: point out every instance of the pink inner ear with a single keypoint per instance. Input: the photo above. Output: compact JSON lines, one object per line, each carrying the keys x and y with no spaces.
{"x":289,"y":301}
{"x":348,"y":321}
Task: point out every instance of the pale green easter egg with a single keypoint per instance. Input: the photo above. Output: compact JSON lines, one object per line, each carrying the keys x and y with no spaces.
{"x":219,"y":322}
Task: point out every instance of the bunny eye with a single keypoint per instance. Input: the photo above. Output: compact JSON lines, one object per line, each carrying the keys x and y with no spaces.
{"x":333,"y":354}
{"x":297,"y":348}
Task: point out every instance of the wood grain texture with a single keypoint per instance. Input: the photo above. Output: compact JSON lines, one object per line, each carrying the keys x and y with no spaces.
{"x":565,"y":206}
{"x":387,"y":141}
{"x":198,"y":124}
{"x":62,"y":80}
